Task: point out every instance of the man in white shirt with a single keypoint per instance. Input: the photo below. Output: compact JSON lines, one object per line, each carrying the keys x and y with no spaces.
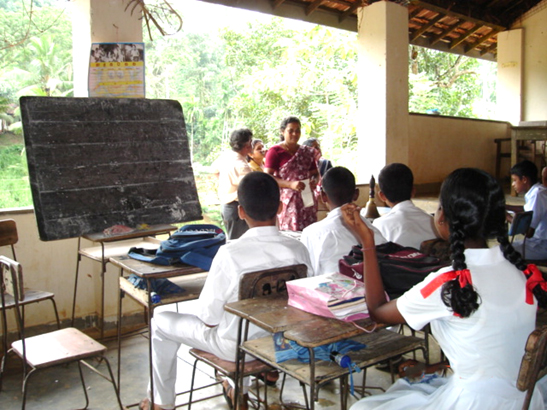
{"x":230,"y":168}
{"x":329,"y":240}
{"x":204,"y":324}
{"x":405,"y":223}
{"x":524,"y":176}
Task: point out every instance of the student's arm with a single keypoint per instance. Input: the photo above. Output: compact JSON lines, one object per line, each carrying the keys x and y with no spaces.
{"x":379,"y":308}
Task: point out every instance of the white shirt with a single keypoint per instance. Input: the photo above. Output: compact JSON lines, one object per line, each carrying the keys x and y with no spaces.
{"x":259,"y":248}
{"x":536,"y":201}
{"x":406,"y":224}
{"x":231,"y":167}
{"x":329,"y":240}
{"x":484,"y":349}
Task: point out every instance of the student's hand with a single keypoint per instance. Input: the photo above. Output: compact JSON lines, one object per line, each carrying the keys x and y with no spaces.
{"x":352,"y":219}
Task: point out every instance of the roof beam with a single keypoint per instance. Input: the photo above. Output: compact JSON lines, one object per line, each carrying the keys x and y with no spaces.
{"x":277,"y":3}
{"x":426,"y":27}
{"x":349,"y":11}
{"x":465,"y":36}
{"x":314,"y":5}
{"x":481,"y":40}
{"x":446,"y":32}
{"x":454,"y":14}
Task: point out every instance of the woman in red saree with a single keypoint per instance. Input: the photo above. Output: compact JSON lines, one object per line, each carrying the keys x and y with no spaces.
{"x":291,"y":164}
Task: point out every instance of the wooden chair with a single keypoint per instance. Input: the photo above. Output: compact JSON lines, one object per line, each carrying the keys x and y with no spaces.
{"x":251,"y":285}
{"x":534,"y":363}
{"x":48,"y":349}
{"x":9,"y":237}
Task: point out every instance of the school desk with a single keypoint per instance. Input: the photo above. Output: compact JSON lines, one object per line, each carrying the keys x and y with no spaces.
{"x":190,"y":278}
{"x":273,"y":314}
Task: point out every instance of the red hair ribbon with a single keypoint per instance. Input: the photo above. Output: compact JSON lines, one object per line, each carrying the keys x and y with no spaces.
{"x":535,"y":278}
{"x":464,"y":277}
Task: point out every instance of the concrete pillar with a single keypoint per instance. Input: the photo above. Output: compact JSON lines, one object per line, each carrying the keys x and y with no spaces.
{"x":100,"y":21}
{"x":510,"y":75}
{"x":382,"y":126}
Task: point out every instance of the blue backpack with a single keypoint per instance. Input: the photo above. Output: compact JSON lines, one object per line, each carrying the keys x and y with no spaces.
{"x":194,"y":245}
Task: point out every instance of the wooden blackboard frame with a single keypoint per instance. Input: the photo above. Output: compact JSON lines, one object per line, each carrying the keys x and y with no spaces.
{"x":98,"y":162}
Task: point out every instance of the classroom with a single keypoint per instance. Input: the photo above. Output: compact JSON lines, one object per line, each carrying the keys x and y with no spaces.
{"x":431,"y":145}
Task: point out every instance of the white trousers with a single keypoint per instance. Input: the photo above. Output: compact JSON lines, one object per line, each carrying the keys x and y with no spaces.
{"x":169,"y":331}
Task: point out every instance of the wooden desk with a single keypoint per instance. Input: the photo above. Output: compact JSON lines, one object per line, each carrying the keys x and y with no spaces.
{"x":190,"y":278}
{"x":114,"y":245}
{"x":526,"y":133}
{"x":309,"y":330}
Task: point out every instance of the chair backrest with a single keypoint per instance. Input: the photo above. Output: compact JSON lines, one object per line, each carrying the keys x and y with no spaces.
{"x":533,"y":365}
{"x":12,"y":278}
{"x":521,"y":223}
{"x":269,"y":281}
{"x":8,"y":234}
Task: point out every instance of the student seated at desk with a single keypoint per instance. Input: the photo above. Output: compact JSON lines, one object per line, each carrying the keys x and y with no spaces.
{"x":524,"y":176}
{"x":329,"y":240}
{"x":481,"y":309}
{"x":405,"y":223}
{"x":205,"y":324}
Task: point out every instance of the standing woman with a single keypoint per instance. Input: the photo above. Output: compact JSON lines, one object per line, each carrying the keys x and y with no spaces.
{"x":290,"y":164}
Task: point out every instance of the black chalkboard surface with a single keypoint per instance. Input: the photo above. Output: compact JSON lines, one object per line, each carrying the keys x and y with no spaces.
{"x":98,"y":162}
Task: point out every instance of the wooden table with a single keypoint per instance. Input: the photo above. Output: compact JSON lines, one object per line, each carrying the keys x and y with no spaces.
{"x":115,"y":245}
{"x":190,"y":278}
{"x":530,"y":131}
{"x":309,"y":330}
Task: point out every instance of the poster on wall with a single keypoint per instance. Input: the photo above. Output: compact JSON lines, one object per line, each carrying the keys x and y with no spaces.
{"x":116,"y":70}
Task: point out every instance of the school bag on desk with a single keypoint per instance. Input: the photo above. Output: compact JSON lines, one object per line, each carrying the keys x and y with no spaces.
{"x":401,"y":267}
{"x":194,"y":245}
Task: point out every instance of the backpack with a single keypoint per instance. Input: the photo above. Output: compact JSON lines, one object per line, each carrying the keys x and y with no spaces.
{"x":194,"y":245}
{"x":401,"y":267}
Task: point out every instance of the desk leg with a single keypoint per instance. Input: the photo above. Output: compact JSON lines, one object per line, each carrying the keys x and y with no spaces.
{"x":78,"y":260}
{"x":103,"y":272}
{"x":513,"y":156}
{"x":121,"y":295}
{"x":312,"y":379}
{"x":149,"y":317}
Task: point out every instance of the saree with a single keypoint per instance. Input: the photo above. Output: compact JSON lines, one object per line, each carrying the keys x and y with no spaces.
{"x":294,"y":217}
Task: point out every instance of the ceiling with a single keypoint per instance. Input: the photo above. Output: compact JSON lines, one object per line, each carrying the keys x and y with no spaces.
{"x":467,"y":27}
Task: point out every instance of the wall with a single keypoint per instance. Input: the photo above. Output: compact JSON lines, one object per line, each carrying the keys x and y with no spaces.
{"x":438,"y":145}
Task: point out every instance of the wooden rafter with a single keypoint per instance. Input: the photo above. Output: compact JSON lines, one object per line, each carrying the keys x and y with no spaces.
{"x":417,"y":33}
{"x":277,"y":3}
{"x":314,"y":6}
{"x":481,"y":40}
{"x":349,"y":11}
{"x":455,"y":43}
{"x":446,"y":32}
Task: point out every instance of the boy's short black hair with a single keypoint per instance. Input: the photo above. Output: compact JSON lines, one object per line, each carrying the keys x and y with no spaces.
{"x":339,"y":185}
{"x":396,"y":181}
{"x":526,"y":169}
{"x":258,"y":194}
{"x":239,"y":138}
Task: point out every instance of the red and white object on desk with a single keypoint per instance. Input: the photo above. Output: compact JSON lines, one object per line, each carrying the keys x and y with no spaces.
{"x":331,"y":295}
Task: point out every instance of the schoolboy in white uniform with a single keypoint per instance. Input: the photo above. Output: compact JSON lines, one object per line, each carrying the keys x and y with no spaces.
{"x":205,"y":324}
{"x":405,"y":223}
{"x":524,"y":176}
{"x":329,"y":240}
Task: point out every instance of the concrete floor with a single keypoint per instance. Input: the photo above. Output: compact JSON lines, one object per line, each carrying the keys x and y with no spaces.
{"x":60,"y":387}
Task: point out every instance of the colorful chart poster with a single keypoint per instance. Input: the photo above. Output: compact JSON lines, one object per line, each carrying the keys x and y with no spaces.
{"x":116,"y":70}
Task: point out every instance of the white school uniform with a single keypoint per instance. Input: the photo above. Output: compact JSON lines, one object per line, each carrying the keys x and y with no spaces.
{"x":204,"y":324}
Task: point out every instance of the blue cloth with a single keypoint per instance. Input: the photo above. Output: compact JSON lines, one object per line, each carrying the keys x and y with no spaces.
{"x":160,"y":286}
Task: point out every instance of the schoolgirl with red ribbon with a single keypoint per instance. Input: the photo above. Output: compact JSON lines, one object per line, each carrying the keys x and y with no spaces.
{"x":481,"y":309}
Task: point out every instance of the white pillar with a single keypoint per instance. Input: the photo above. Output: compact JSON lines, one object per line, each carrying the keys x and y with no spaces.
{"x":100,"y":21}
{"x":510,"y":75}
{"x":382,"y":126}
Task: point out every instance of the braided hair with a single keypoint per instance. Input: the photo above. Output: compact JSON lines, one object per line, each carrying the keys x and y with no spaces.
{"x":474,"y":205}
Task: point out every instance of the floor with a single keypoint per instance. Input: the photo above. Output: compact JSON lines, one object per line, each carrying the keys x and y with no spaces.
{"x":60,"y":387}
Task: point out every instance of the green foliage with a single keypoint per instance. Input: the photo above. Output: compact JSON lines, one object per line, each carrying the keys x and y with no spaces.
{"x":455,"y":85}
{"x":14,"y":185}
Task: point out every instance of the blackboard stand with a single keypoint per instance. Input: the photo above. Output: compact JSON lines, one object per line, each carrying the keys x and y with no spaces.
{"x":114,"y":245}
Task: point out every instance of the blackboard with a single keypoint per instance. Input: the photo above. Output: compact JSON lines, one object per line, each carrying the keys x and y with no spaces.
{"x":98,"y":162}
